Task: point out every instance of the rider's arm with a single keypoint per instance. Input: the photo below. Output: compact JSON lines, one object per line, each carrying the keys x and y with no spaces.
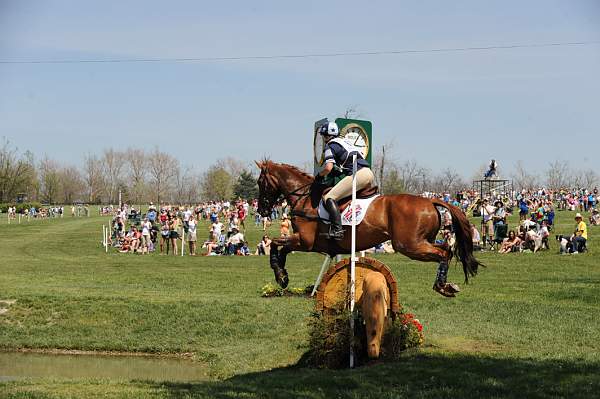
{"x":326,"y":169}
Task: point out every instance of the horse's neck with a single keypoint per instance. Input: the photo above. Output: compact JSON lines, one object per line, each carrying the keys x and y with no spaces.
{"x":291,"y":185}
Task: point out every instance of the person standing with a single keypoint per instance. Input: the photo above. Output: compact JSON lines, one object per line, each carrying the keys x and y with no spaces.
{"x":487,"y":213}
{"x":284,"y":228}
{"x":580,"y":237}
{"x":146,"y":228}
{"x":192,"y":235}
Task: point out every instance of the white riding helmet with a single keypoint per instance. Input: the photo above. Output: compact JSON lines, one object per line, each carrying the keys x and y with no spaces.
{"x":329,"y":129}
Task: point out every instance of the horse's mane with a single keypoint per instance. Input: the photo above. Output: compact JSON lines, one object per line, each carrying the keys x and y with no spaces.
{"x":292,"y":168}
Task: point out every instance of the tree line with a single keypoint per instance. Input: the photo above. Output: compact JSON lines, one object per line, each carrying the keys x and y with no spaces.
{"x":142,"y":176}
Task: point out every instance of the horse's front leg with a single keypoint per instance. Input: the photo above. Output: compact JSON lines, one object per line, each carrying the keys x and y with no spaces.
{"x":280,"y":248}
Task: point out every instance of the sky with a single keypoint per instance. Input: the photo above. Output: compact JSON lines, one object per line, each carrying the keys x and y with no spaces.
{"x":442,"y":109}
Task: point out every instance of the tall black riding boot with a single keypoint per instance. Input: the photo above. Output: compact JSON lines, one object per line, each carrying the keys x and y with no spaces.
{"x":336,"y":231}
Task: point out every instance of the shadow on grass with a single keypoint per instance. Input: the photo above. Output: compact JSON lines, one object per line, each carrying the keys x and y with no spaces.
{"x":419,"y":375}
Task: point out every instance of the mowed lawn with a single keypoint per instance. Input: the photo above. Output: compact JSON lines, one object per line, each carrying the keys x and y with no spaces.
{"x":527,"y":326}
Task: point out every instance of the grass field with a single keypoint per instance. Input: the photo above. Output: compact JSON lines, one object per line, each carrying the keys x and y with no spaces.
{"x":527,"y":326}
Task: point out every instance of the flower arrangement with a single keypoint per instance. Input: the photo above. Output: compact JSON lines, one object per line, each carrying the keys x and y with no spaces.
{"x":404,"y":332}
{"x":270,"y":290}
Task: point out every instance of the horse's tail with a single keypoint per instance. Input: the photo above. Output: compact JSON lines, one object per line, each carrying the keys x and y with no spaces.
{"x":464,"y":239}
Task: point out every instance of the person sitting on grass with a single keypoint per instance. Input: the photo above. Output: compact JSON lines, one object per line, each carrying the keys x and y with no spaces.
{"x":235,"y":242}
{"x":264,"y":246}
{"x":595,"y":218}
{"x":510,"y":244}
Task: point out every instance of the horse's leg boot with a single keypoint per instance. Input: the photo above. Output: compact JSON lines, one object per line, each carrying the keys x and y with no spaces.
{"x":336,"y":231}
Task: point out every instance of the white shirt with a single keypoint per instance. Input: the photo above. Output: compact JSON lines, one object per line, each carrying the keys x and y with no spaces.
{"x":236,"y":238}
{"x":217,"y":227}
{"x":146,"y":226}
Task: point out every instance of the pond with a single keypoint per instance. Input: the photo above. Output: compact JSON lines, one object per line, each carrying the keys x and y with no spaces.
{"x":16,"y":365}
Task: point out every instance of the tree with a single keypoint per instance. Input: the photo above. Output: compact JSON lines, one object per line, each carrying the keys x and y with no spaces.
{"x":522,"y":178}
{"x":558,"y":174}
{"x":17,"y":174}
{"x":412,"y":176}
{"x":246,"y":186}
{"x":137,"y":173}
{"x":393,"y":183}
{"x":72,"y":185}
{"x":112,"y":169}
{"x":217,"y":183}
{"x":92,"y":177}
{"x":162,"y":167}
{"x":49,"y":180}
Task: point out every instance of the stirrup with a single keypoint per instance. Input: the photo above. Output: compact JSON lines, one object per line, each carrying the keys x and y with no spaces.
{"x":337,"y":235}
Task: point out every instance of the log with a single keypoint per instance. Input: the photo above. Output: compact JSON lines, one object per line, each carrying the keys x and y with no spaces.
{"x":335,"y":285}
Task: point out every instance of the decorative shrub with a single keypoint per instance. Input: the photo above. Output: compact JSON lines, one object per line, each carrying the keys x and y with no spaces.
{"x":271,"y":290}
{"x":329,"y":338}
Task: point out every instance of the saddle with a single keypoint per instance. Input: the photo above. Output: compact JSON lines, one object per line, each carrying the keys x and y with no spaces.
{"x":364,"y":193}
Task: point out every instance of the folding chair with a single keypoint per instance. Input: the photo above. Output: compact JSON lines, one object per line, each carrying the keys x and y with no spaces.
{"x":500,"y":233}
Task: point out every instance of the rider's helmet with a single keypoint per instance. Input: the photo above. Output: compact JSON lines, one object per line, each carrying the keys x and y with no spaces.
{"x":329,"y":129}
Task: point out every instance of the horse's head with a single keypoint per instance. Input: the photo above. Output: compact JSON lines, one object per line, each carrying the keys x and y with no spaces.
{"x":268,"y":189}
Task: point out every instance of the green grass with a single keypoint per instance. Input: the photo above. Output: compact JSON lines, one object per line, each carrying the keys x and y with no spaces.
{"x":527,"y":326}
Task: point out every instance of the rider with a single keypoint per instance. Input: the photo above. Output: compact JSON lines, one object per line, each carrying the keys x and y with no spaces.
{"x":338,"y":161}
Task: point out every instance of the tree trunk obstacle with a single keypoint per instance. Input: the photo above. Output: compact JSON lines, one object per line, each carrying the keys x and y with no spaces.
{"x":335,"y":285}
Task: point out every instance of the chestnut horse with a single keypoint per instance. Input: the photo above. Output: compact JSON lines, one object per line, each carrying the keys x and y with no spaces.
{"x":409,"y":221}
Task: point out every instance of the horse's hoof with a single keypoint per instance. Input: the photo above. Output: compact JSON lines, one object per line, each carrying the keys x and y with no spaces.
{"x":284,"y":282}
{"x":451,"y":287}
{"x":441,"y":289}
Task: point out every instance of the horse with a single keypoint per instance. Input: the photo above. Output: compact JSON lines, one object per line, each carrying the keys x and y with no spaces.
{"x":410,"y":222}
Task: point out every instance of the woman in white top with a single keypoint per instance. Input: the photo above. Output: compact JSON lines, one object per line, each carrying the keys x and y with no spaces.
{"x":146,"y":228}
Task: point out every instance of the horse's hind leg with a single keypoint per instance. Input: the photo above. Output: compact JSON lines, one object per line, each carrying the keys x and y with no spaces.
{"x":428,"y":252}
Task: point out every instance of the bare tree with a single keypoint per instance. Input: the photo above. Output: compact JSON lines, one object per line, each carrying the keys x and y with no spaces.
{"x":558,"y":174}
{"x":448,"y":181}
{"x":412,"y":175}
{"x":352,"y":112}
{"x":137,"y":168}
{"x":72,"y":184}
{"x":589,"y":178}
{"x":522,"y":178}
{"x":49,"y":180}
{"x":112,"y":168}
{"x":92,"y":177}
{"x":162,"y":167}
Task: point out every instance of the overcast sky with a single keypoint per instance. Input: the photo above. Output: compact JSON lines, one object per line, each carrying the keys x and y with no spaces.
{"x":443,"y":109}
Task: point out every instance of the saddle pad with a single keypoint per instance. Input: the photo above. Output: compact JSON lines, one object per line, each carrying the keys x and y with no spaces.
{"x":361,"y":210}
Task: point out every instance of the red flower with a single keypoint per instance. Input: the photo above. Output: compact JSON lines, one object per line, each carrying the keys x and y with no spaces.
{"x":418,"y":325}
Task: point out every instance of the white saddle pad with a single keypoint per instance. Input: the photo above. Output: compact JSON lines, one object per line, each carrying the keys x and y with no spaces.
{"x":361,"y":210}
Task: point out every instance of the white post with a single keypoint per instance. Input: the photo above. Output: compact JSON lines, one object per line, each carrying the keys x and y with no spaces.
{"x":19,"y":218}
{"x":103,"y":235}
{"x":182,"y":242}
{"x":8,"y":216}
{"x":353,"y":261}
{"x":326,"y":263}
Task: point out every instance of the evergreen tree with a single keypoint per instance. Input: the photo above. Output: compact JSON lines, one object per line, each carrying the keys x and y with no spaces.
{"x":246,"y":186}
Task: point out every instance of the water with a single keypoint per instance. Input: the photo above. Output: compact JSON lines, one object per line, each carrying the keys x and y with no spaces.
{"x":14,"y":366}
